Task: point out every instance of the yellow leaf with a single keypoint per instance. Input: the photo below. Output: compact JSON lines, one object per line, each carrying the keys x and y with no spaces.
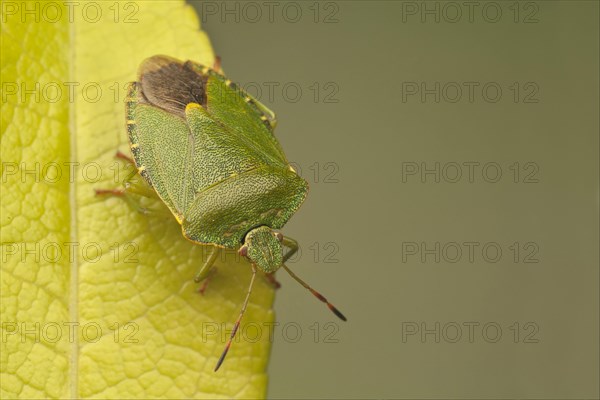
{"x":97,"y":299}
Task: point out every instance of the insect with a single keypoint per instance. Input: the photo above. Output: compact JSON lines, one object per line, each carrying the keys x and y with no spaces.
{"x":207,"y":150}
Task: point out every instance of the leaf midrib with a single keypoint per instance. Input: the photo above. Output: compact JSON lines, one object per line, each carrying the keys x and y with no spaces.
{"x":74,"y":273}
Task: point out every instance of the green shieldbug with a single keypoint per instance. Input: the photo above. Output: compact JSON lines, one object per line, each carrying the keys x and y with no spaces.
{"x":207,"y":150}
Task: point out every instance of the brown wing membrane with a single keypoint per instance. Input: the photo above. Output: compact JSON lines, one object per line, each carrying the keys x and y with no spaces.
{"x":170,"y":84}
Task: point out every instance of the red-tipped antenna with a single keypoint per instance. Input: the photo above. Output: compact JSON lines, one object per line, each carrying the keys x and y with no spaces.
{"x":316,"y":294}
{"x":237,"y":323}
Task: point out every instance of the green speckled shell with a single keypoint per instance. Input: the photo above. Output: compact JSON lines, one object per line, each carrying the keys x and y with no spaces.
{"x":209,"y":152}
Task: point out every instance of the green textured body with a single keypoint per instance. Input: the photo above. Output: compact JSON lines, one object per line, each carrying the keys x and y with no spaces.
{"x":208,"y":150}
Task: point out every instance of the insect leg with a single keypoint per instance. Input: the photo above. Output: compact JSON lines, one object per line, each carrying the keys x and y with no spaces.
{"x":122,"y":156}
{"x":132,"y":185}
{"x":126,"y":194}
{"x":139,"y":188}
{"x":268,"y":113}
{"x":134,"y":203}
{"x":207,"y":267}
{"x":272,"y":280}
{"x":292,"y":245}
{"x":217,"y":65}
{"x":136,"y":186}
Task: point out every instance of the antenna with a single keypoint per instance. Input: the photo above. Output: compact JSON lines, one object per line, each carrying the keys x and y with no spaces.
{"x":237,"y":323}
{"x":239,"y":320}
{"x":316,"y":294}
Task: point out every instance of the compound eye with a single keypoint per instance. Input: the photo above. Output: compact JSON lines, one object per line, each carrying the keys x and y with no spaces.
{"x":279,"y":236}
{"x":243,"y":251}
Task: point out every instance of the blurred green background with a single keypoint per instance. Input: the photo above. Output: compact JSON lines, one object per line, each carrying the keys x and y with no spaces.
{"x":452,"y":153}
